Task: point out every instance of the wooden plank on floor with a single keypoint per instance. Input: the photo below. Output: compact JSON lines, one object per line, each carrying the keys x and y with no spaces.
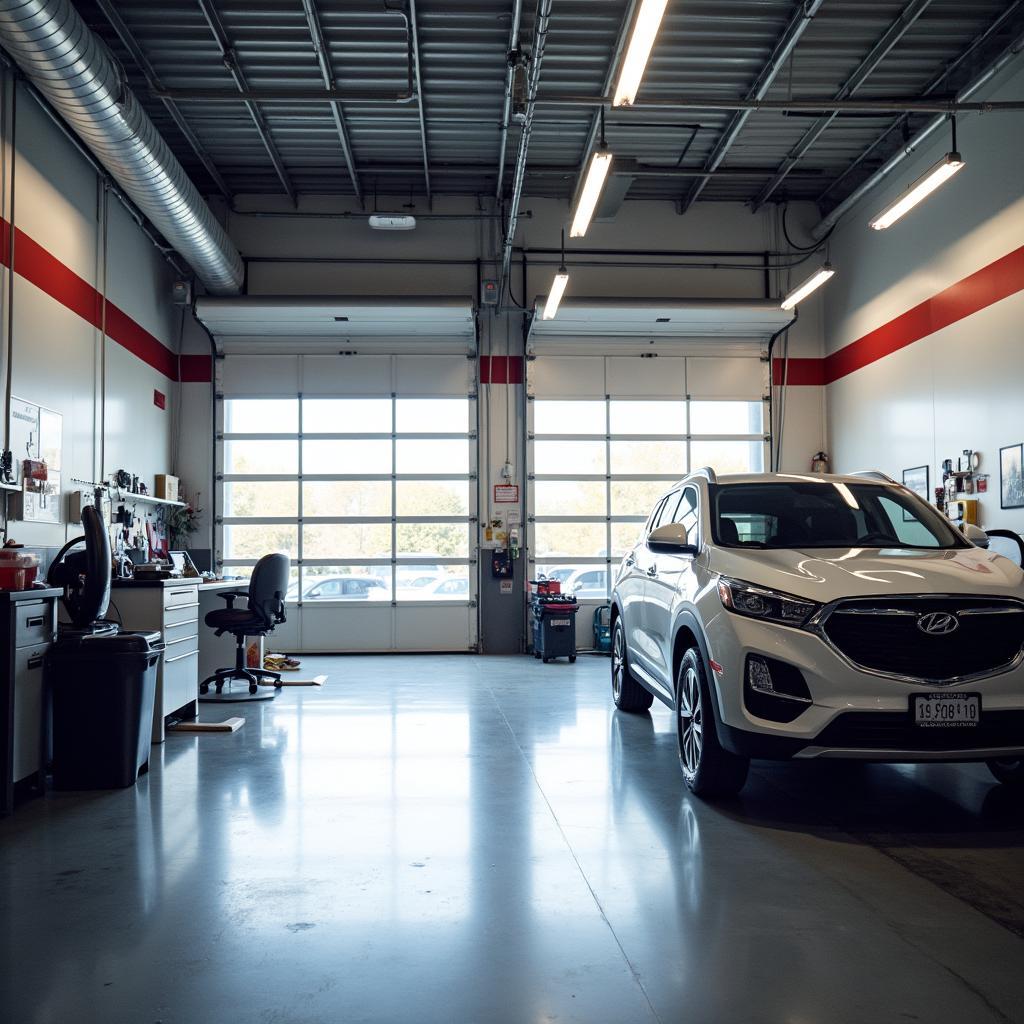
{"x":315,"y":681}
{"x":228,"y":725}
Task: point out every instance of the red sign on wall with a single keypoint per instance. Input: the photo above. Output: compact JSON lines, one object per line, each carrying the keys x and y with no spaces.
{"x":506,"y":494}
{"x":159,"y":399}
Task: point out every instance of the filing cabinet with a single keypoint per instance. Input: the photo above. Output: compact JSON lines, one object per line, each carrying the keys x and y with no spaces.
{"x":28,"y":625}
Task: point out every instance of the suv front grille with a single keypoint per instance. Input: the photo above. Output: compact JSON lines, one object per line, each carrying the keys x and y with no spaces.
{"x":883,"y":635}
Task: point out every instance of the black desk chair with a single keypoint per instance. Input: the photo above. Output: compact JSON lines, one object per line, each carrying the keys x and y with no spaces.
{"x":264,"y":610}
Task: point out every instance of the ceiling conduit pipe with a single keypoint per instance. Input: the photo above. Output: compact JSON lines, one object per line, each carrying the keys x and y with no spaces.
{"x":506,"y":112}
{"x":540,"y":34}
{"x":798,"y":24}
{"x":1010,"y":54}
{"x":71,"y":68}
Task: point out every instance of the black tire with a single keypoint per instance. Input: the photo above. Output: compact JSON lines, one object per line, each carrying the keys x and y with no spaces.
{"x":709,"y":770}
{"x":628,"y":694}
{"x":1010,"y":773}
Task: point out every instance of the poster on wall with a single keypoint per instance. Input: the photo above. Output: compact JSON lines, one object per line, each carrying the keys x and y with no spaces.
{"x":38,"y":434}
{"x":1011,"y":481}
{"x":916,"y":480}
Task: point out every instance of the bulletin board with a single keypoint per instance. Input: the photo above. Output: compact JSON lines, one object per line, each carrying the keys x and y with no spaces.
{"x":38,"y":433}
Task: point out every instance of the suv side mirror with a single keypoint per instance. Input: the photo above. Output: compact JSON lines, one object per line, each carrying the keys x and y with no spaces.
{"x":671,"y":539}
{"x":975,"y":534}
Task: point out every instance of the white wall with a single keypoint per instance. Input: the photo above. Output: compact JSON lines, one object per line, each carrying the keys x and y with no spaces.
{"x":960,"y":387}
{"x":57,"y":355}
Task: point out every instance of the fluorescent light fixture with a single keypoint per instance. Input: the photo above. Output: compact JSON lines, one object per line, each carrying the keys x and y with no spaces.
{"x":921,"y":189}
{"x":555,"y":294}
{"x":392,"y":221}
{"x":645,"y":30}
{"x":597,"y":171}
{"x":813,"y":283}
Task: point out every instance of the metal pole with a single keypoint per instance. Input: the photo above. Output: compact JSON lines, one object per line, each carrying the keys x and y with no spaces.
{"x":513,"y":55}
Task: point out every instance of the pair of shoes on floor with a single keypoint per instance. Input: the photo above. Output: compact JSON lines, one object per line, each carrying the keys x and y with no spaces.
{"x":281,"y":663}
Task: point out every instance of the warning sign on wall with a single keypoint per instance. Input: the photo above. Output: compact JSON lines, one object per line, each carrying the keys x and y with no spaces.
{"x":506,"y":493}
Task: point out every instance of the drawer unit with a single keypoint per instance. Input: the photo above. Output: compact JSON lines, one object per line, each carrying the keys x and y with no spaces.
{"x":29,"y":711}
{"x":35,"y":622}
{"x":174,"y":631}
{"x":181,"y":597}
{"x":179,"y":673}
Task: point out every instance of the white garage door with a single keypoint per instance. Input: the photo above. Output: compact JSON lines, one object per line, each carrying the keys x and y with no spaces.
{"x":609,"y":434}
{"x":363,"y":469}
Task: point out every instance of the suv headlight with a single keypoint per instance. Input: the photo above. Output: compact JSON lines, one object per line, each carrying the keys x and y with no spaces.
{"x":760,"y":603}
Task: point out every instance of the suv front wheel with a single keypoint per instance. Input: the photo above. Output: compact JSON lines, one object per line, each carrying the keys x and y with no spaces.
{"x":627,"y":693}
{"x":709,"y":769}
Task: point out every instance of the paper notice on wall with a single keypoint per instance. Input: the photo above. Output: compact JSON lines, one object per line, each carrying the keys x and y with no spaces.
{"x":506,"y":586}
{"x":513,"y":517}
{"x":506,"y":494}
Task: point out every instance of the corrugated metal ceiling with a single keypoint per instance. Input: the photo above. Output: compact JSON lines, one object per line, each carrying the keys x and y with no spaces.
{"x":712,"y":49}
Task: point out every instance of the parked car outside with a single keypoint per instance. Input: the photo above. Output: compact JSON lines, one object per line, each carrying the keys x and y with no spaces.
{"x":343,"y":587}
{"x":813,"y":617}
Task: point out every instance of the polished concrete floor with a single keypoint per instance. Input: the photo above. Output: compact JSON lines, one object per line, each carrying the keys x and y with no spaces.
{"x":483,"y":840}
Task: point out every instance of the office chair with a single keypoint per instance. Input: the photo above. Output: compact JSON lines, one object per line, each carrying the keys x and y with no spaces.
{"x":264,"y":611}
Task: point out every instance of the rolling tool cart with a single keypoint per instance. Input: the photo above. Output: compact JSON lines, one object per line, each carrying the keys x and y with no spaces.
{"x":554,"y":622}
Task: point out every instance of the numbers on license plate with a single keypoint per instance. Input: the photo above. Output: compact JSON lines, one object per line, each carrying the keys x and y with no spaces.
{"x":947,"y":709}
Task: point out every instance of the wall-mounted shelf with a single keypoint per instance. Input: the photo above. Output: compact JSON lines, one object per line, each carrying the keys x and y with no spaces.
{"x":130,"y":498}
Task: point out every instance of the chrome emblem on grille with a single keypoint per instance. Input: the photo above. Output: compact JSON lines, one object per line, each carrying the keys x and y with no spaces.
{"x":938,"y":623}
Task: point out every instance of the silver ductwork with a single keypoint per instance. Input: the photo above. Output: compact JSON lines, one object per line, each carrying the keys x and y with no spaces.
{"x":70,"y":66}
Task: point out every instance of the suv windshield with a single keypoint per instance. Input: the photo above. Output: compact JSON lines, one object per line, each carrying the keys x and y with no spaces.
{"x":781,"y":514}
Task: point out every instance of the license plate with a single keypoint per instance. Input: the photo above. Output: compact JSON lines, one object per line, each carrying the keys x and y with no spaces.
{"x":558,"y":622}
{"x":947,"y":710}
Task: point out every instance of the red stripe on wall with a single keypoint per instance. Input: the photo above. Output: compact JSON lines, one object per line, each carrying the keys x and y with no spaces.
{"x":195,"y":369}
{"x":501,"y":369}
{"x":799,"y":371}
{"x":982,"y":289}
{"x":41,"y":268}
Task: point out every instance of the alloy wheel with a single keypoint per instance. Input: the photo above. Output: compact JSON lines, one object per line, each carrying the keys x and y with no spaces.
{"x":691,"y":721}
{"x":618,"y":662}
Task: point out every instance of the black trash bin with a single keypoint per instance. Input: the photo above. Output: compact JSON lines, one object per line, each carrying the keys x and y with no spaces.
{"x":103,"y":688}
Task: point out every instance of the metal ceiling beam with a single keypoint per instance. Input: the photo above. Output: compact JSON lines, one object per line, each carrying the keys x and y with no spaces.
{"x":420,"y":103}
{"x":623,"y":168}
{"x":540,"y":35}
{"x":799,"y":21}
{"x":323,"y":59}
{"x":230,"y":59}
{"x":883,"y":46}
{"x":131,"y":44}
{"x":512,"y":59}
{"x":1007,"y":57}
{"x":934,"y":85}
{"x":807,"y":105}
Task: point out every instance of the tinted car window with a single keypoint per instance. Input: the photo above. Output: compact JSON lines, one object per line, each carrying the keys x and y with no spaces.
{"x":826,"y":515}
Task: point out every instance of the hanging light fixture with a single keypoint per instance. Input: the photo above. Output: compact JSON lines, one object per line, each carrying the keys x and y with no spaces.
{"x":932,"y":179}
{"x":812,"y":284}
{"x":641,"y":42}
{"x":557,"y":289}
{"x":593,"y":181}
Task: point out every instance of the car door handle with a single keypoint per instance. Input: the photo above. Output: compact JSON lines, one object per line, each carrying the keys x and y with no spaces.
{"x":652,"y":571}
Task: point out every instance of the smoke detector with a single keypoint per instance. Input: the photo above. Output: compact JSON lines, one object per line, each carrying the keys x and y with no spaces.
{"x":392,"y":221}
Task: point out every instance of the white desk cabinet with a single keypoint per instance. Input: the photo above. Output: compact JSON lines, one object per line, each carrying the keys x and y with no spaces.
{"x":170,"y":607}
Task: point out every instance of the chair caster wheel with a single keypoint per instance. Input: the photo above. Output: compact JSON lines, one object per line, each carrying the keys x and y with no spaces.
{"x":204,"y":688}
{"x":253,"y":688}
{"x":536,"y":655}
{"x":546,"y":660}
{"x":572,"y":659}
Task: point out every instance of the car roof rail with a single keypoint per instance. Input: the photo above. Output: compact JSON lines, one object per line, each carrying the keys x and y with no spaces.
{"x":874,"y":474}
{"x":707,"y":472}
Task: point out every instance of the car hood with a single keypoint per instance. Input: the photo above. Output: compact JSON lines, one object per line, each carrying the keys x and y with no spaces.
{"x":826,"y":574}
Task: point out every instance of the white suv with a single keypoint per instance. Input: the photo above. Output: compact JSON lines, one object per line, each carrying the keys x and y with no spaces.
{"x":787,"y":616}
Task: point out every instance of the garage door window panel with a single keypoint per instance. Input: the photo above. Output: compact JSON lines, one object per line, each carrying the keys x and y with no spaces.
{"x":261,"y":416}
{"x":252,"y":457}
{"x":346,"y":498}
{"x":248,"y":499}
{"x":346,"y":415}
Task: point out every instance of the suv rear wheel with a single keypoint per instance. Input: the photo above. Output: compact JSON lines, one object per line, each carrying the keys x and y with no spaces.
{"x":627,"y":693}
{"x":709,"y":769}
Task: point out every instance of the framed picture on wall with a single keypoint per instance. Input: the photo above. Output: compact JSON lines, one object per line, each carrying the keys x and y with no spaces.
{"x":916,"y":480}
{"x":1011,"y":480}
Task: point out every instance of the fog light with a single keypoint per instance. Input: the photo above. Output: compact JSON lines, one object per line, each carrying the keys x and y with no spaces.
{"x":760,"y":676}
